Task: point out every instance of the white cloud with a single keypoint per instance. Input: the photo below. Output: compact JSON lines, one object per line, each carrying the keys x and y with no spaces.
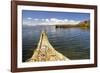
{"x":54,"y":20}
{"x":65,"y":20}
{"x":73,"y":22}
{"x":36,"y":19}
{"x":43,"y":19}
{"x":29,"y":18}
{"x":47,"y":20}
{"x":50,"y":21}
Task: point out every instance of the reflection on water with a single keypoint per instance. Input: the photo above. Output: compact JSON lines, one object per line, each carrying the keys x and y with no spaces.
{"x":74,"y":43}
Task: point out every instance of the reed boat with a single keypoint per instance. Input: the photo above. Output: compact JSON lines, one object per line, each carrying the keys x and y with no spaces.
{"x":45,"y":51}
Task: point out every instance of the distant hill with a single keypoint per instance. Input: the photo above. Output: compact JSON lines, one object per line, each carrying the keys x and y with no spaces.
{"x":85,"y":23}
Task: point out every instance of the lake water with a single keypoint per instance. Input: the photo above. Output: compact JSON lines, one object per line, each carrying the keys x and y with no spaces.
{"x":74,"y":43}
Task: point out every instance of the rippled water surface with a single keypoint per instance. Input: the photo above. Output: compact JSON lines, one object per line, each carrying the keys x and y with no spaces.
{"x":74,"y":43}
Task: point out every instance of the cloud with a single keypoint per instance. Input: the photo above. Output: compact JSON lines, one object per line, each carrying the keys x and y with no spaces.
{"x":54,"y":20}
{"x":36,"y":19}
{"x":65,"y":20}
{"x":72,"y":22}
{"x":47,"y":20}
{"x":29,"y":18}
{"x":50,"y":21}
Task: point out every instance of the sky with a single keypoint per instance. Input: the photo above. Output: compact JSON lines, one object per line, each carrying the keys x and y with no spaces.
{"x":30,"y":17}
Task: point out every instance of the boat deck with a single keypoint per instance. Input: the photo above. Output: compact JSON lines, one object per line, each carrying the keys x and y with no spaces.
{"x":46,"y":52}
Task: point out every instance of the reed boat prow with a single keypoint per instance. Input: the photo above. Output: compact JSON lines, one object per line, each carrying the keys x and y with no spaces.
{"x":45,"y":51}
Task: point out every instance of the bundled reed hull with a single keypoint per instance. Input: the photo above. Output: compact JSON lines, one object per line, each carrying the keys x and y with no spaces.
{"x":45,"y":51}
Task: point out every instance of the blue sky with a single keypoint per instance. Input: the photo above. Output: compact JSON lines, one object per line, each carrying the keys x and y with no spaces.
{"x":49,"y":17}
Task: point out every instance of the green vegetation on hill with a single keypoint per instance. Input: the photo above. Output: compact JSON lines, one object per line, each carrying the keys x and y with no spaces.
{"x":83,"y":24}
